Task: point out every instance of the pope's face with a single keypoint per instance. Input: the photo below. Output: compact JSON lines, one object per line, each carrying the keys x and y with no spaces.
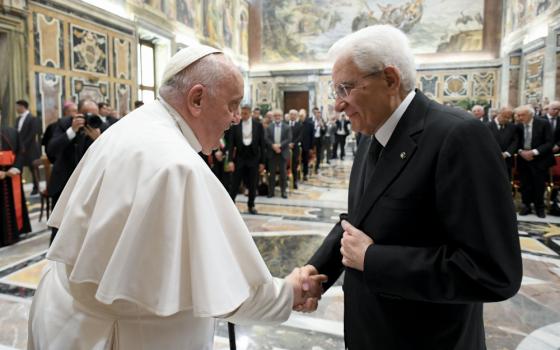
{"x":222,"y":110}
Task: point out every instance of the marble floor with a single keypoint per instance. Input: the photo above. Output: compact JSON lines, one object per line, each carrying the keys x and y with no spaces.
{"x":287,"y":232}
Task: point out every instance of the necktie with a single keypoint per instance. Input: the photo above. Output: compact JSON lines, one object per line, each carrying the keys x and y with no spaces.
{"x":374,"y":151}
{"x":527,"y":138}
{"x":552,"y":123}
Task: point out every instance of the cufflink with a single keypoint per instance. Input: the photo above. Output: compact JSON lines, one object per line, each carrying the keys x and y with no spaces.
{"x":403,"y":155}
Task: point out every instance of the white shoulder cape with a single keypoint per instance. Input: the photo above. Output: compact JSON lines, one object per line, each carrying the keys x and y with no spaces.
{"x":145,"y":219}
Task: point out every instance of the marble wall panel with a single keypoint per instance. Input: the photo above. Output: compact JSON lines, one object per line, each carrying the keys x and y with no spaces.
{"x":557,"y":89}
{"x":49,"y":45}
{"x":429,"y":85}
{"x":122,"y":58}
{"x":49,"y":96}
{"x":122,"y":99}
{"x":89,"y":50}
{"x":95,"y":90}
{"x":484,"y":84}
{"x":534,"y":71}
{"x":455,"y":85}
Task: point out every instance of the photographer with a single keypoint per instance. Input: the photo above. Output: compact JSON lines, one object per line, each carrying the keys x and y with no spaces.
{"x":71,"y":138}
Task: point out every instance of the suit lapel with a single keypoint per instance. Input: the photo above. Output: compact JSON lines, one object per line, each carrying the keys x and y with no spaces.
{"x":396,"y":154}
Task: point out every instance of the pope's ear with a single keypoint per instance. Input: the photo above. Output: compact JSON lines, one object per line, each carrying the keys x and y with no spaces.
{"x":194,"y":99}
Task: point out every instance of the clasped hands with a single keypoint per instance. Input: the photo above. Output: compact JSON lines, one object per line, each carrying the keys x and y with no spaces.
{"x":307,"y":285}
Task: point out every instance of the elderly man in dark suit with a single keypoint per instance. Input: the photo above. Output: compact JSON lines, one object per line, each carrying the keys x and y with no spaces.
{"x":506,"y":135}
{"x":246,"y":152}
{"x":29,"y":131}
{"x":534,"y":160}
{"x":424,"y":244}
{"x":551,"y":116}
{"x":278,"y":136}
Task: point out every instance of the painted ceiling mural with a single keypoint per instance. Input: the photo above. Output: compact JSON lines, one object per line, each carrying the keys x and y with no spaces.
{"x":305,"y":29}
{"x":522,"y":12}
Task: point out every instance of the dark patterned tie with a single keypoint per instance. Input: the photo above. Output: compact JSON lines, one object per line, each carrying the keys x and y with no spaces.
{"x":374,"y":151}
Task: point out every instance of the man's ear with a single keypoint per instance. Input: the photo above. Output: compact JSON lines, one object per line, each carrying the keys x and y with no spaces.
{"x":194,"y":99}
{"x":393,"y":78}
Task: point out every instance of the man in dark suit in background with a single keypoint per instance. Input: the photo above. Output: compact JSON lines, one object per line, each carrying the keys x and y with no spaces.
{"x":341,"y":133}
{"x":246,"y":152}
{"x":278,"y":136}
{"x":551,"y":116}
{"x":506,"y":135}
{"x":319,"y":131}
{"x":534,"y":159}
{"x":29,"y":131}
{"x":306,"y":141}
{"x":419,"y":261}
{"x":107,"y":113}
{"x":297,"y":133}
{"x":69,"y":142}
{"x":478,"y":112}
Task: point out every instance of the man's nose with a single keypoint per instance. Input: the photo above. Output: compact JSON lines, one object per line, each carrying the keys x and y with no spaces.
{"x":340,"y":105}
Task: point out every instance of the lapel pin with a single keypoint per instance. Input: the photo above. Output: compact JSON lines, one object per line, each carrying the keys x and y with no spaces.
{"x":403,"y":155}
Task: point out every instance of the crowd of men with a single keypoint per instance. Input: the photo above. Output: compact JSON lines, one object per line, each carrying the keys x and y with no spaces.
{"x":528,"y":138}
{"x":259,"y":148}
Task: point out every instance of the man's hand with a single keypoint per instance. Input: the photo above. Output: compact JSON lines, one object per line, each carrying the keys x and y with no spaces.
{"x":353,"y":246}
{"x":307,"y":288}
{"x":92,"y":133}
{"x":219,"y":155}
{"x":276,"y":148}
{"x":528,"y":155}
{"x":13,"y":172}
{"x":291,"y":144}
{"x":555,"y":149}
{"x":78,"y":122}
{"x":2,"y":175}
{"x":231,"y":167}
{"x":261,"y":168}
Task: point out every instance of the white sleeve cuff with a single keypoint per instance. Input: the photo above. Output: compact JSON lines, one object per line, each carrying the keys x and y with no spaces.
{"x":70,"y":133}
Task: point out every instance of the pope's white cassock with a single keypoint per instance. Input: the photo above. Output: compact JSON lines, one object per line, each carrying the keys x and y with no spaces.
{"x":150,"y":248}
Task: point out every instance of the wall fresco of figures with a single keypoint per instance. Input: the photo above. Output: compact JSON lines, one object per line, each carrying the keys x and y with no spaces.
{"x":222,"y":23}
{"x":520,"y":13}
{"x":71,"y":59}
{"x":534,"y":72}
{"x":305,"y":29}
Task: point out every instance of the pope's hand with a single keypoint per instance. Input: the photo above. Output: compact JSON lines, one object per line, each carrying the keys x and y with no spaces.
{"x":353,"y":246}
{"x":308,"y":288}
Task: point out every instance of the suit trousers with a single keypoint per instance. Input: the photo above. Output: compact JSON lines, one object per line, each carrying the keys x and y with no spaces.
{"x":339,"y":140}
{"x":248,"y":173}
{"x":318,"y":150}
{"x":295,"y":163}
{"x":532,"y":184}
{"x":277,"y":163}
{"x":305,"y":161}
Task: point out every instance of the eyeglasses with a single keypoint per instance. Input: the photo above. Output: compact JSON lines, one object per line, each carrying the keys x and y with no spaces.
{"x":343,"y":90}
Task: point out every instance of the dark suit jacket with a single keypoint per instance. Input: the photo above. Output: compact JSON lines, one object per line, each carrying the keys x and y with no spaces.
{"x":66,"y":153}
{"x":9,"y":142}
{"x":507,"y":139}
{"x":297,"y":132}
{"x":555,"y":131}
{"x":436,"y":258}
{"x":307,"y":134}
{"x":345,"y":126}
{"x":238,"y":152}
{"x":29,"y":137}
{"x":285,"y":139}
{"x":541,"y":140}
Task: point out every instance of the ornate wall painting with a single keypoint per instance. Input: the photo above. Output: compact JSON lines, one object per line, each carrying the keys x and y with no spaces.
{"x":49,"y":96}
{"x":122,"y":58}
{"x":95,"y":90}
{"x":264,"y":92}
{"x":228,"y":22}
{"x":455,"y":85}
{"x":122,"y":99}
{"x":243,"y":41}
{"x":305,"y":29}
{"x":484,"y":84}
{"x":213,"y":21}
{"x":89,"y":50}
{"x":428,"y":85}
{"x":534,"y":70}
{"x":49,"y":45}
{"x":520,"y":13}
{"x":185,"y":12}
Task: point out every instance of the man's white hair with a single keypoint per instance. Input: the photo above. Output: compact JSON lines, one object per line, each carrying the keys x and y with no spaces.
{"x":525,"y":108}
{"x":208,"y":71}
{"x":477,"y":108}
{"x":376,"y":47}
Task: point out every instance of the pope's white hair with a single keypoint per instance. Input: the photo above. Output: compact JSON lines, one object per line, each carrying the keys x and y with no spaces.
{"x":376,"y":47}
{"x":209,"y":71}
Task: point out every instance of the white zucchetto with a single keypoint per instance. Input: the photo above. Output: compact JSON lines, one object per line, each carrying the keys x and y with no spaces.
{"x":184,"y":58}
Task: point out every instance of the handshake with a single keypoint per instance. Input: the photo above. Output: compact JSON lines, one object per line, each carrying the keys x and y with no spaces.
{"x":307,"y":285}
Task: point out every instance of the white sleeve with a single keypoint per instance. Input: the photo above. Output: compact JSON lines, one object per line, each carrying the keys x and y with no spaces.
{"x":269,"y":304}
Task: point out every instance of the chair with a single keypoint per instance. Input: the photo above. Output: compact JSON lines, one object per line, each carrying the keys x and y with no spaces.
{"x":553,"y":179}
{"x":515,"y":182}
{"x":43,"y":168}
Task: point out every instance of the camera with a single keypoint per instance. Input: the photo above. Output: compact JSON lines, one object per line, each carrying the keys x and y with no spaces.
{"x":93,"y":120}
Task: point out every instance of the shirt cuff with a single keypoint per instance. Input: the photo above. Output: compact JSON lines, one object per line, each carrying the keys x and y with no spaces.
{"x":70,"y":133}
{"x":507,"y":154}
{"x":535,"y":152}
